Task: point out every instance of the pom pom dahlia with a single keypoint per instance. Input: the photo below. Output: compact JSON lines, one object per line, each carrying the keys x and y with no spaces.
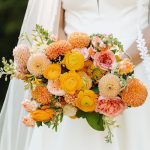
{"x":109,"y":85}
{"x":41,"y":95}
{"x":110,"y":107}
{"x":104,"y":59}
{"x":37,"y":64}
{"x":79,"y":40}
{"x":58,"y":48}
{"x":135,"y":93}
{"x":21,"y":55}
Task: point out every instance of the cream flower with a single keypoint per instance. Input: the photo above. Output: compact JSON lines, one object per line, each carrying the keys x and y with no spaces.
{"x":69,"y":110}
{"x":37,"y":64}
{"x":21,"y":55}
{"x":109,"y":85}
{"x":38,"y":49}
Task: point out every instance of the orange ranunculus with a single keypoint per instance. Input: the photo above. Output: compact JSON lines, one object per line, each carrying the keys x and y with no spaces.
{"x":43,"y":115}
{"x":74,"y":60}
{"x":125,"y":66}
{"x":86,"y":100}
{"x":52,"y":72}
{"x":71,"y":82}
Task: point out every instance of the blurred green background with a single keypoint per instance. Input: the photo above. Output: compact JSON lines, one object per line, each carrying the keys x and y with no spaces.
{"x":11,"y":17}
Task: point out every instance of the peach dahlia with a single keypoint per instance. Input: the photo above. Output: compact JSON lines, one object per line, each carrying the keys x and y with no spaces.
{"x":135,"y":93}
{"x":109,"y":85}
{"x":41,"y":95}
{"x":79,"y":39}
{"x":58,"y":48}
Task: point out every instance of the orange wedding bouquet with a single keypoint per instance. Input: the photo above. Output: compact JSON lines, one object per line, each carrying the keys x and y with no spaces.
{"x":81,"y":77}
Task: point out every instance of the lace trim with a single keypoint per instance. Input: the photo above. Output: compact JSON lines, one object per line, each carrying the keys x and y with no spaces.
{"x":141,"y":45}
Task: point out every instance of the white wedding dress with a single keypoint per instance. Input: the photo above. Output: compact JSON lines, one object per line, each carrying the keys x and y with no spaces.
{"x":119,"y":17}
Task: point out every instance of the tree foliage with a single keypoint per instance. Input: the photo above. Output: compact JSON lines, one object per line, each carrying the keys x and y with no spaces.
{"x":11,"y":17}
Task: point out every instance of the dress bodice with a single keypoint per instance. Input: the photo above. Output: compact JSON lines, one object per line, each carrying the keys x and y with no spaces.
{"x":119,"y":17}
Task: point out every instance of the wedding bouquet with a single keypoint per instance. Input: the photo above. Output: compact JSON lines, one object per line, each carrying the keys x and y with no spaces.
{"x":81,"y":77}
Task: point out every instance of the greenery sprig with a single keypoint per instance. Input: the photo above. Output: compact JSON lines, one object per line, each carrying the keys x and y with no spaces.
{"x":110,"y":41}
{"x":108,"y":124}
{"x":8,"y":69}
{"x":41,"y":35}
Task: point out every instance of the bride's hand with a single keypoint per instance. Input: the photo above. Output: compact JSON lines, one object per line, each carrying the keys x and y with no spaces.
{"x":133,"y":52}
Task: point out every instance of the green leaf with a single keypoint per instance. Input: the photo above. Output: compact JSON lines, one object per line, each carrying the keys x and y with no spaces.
{"x":81,"y":114}
{"x":114,"y":51}
{"x":95,"y":89}
{"x":95,"y":121}
{"x":48,"y":123}
{"x":38,"y":124}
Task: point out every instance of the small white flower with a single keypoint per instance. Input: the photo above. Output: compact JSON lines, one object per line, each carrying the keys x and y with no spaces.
{"x":38,"y":49}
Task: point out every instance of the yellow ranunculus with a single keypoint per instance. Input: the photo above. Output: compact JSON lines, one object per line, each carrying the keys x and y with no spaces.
{"x":52,"y":72}
{"x":71,"y":82}
{"x":43,"y":115}
{"x":86,"y":100}
{"x":74,"y":60}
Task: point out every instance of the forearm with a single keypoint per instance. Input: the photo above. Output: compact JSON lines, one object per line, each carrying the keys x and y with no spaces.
{"x":133,"y":52}
{"x":61,"y":33}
